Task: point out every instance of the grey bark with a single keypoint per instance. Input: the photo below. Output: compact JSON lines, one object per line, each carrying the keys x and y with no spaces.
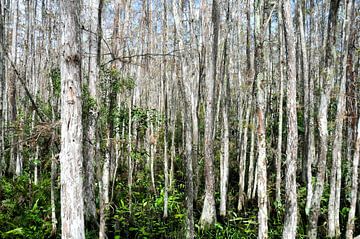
{"x":281,"y":98}
{"x":11,"y":87}
{"x":335,"y":180}
{"x":71,"y":158}
{"x":2,"y":88}
{"x":208,"y":214}
{"x":350,"y":226}
{"x":261,"y":171}
{"x":95,"y":8}
{"x":310,"y":134}
{"x":327,"y":85}
{"x":224,"y":160}
{"x":185,"y":90}
{"x":292,"y":136}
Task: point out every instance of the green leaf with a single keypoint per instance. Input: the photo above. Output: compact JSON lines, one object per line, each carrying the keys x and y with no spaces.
{"x":16,"y":231}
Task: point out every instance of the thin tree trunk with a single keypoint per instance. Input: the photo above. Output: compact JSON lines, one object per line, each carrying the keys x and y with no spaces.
{"x":208,"y":214}
{"x":308,"y":149}
{"x":354,"y":187}
{"x":327,"y":85}
{"x":281,"y":97}
{"x":310,"y":154}
{"x":90,"y":146}
{"x":292,"y":136}
{"x":12,"y":107}
{"x":53,"y":198}
{"x":242,"y":161}
{"x":152,"y":156}
{"x":261,"y":175}
{"x":224,"y":168}
{"x":104,"y":189}
{"x":251,"y":175}
{"x":335,"y":180}
{"x":185,"y":90}
{"x":130,"y":163}
{"x":172,"y":131}
{"x":165,"y":100}
{"x":2,"y":89}
{"x":188,"y":160}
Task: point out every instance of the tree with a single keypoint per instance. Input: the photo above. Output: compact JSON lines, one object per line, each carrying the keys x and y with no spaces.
{"x":185,"y":90}
{"x":281,"y":98}
{"x":261,"y":175}
{"x":335,"y":180}
{"x":208,"y":214}
{"x":95,"y":34}
{"x":354,"y":187}
{"x":2,"y":87}
{"x":224,"y":159}
{"x":14,"y":165}
{"x":327,"y":85}
{"x":71,"y":158}
{"x":292,"y":138}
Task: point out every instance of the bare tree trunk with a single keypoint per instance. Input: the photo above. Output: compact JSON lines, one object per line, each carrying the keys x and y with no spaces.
{"x":307,"y":106}
{"x":354,"y":187}
{"x":261,"y":175}
{"x":165,"y":99}
{"x":327,"y":85}
{"x":12,"y":107}
{"x":185,"y":90}
{"x":242,"y":161}
{"x":224,"y":163}
{"x":292,"y":137}
{"x":251,"y":174}
{"x":53,"y":176}
{"x":208,"y":214}
{"x":310,"y":137}
{"x":53,"y":198}
{"x":281,"y":98}
{"x":2,"y":88}
{"x":71,"y":158}
{"x":90,"y":146}
{"x":153,"y":143}
{"x":184,"y":86}
{"x":172,"y":147}
{"x":335,"y":180}
{"x":130,"y":163}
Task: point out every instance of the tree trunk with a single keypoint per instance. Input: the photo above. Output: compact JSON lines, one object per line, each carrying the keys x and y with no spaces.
{"x":208,"y":214}
{"x":185,"y":90}
{"x":261,"y":174}
{"x":2,"y":88}
{"x":165,"y":100}
{"x":310,"y":136}
{"x":327,"y":85}
{"x":354,"y":187}
{"x":188,"y":160}
{"x":292,"y":138}
{"x":251,"y":174}
{"x":224,"y":163}
{"x":71,"y":158}
{"x":281,"y":99}
{"x":90,"y":143}
{"x":12,"y":107}
{"x":335,"y":180}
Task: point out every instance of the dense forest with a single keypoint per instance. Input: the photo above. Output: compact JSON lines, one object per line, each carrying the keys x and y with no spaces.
{"x":179,"y":119}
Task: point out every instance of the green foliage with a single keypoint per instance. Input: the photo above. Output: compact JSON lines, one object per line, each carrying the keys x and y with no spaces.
{"x":118,"y":81}
{"x":144,"y":219}
{"x":33,"y":220}
{"x":55,"y":77}
{"x":89,"y":104}
{"x":235,"y":227}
